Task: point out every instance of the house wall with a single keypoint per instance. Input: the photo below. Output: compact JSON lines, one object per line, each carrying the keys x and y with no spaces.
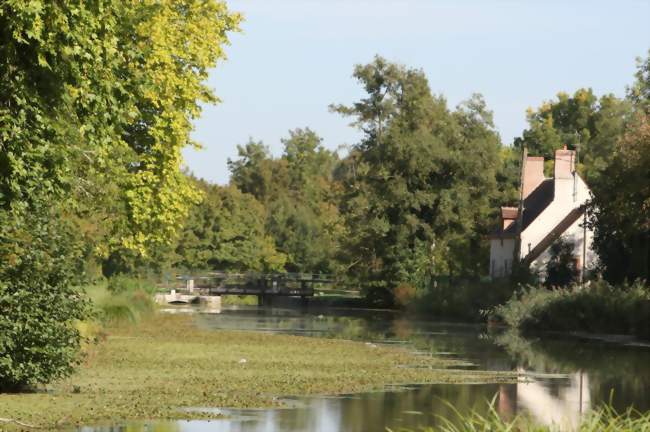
{"x":570,"y":192}
{"x":574,"y":234}
{"x":501,"y":254}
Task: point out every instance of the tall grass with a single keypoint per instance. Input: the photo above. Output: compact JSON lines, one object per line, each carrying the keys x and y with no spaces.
{"x":121,"y":299}
{"x":598,"y":307}
{"x":604,"y":419}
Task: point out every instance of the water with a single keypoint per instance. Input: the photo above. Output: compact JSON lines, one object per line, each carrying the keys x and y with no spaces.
{"x":567,"y":375}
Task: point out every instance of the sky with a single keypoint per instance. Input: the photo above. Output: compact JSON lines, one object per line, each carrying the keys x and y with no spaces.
{"x":294,"y":58}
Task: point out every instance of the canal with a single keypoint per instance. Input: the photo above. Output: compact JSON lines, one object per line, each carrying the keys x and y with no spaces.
{"x":562,"y":377}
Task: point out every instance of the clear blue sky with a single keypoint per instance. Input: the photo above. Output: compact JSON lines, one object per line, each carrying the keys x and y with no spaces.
{"x":295,"y":57}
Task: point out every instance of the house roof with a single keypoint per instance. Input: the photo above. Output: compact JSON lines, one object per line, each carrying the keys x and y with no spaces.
{"x":534,"y":204}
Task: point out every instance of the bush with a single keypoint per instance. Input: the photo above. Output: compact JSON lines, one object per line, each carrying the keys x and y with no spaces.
{"x":128,"y":305}
{"x":462,"y":300}
{"x":598,"y":307}
{"x":125,"y":284}
{"x":38,"y":305}
{"x":561,"y":269}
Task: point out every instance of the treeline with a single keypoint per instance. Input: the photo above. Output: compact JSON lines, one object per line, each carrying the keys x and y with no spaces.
{"x":413,"y":200}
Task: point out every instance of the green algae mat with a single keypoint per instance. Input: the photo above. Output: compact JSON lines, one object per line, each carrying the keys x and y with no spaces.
{"x":156,"y":368}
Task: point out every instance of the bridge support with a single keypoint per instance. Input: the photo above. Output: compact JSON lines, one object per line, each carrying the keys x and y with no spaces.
{"x":264,"y":300}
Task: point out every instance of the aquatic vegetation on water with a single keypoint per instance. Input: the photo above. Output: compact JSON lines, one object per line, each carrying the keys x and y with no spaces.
{"x":164,"y":363}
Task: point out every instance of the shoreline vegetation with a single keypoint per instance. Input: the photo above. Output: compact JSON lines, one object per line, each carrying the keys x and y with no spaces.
{"x":596,"y":308}
{"x":141,"y":363}
{"x":603,"y":419}
{"x":163,"y":363}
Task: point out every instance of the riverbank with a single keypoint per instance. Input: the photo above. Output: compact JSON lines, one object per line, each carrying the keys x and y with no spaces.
{"x":155,"y":368}
{"x":597,"y":308}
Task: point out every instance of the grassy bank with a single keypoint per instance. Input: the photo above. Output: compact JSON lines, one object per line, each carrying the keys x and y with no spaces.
{"x":163,"y":363}
{"x":597,"y":308}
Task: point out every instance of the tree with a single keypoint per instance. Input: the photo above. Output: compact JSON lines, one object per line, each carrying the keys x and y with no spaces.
{"x":254,"y":172}
{"x":620,"y":209}
{"x":299,"y":195}
{"x":226,"y":231}
{"x":639,"y":92}
{"x":96,"y":103}
{"x":583,"y":122}
{"x":561,"y":269}
{"x":420,"y":185}
{"x":621,"y":206}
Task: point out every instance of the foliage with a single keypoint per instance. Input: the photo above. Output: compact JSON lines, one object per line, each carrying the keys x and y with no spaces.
{"x":419,"y":189}
{"x":462,"y":300}
{"x":122,"y":299}
{"x":299,"y":197}
{"x":597,"y":307}
{"x":620,"y":210}
{"x":96,"y":102}
{"x":226,"y":232}
{"x":121,"y":283}
{"x":100,"y":105}
{"x":639,"y":92}
{"x":38,"y":309}
{"x":581,"y":121}
{"x":561,"y":269}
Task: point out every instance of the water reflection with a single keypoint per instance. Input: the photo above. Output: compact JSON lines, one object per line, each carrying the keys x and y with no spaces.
{"x":565,"y":377}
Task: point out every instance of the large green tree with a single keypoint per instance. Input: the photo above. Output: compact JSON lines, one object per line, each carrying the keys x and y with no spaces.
{"x":96,"y":103}
{"x":620,"y":210}
{"x":580,"y":121}
{"x":226,"y":231}
{"x":299,"y":194}
{"x":420,"y":187}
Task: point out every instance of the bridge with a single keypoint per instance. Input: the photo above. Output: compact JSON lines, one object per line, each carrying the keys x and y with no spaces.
{"x":211,"y":286}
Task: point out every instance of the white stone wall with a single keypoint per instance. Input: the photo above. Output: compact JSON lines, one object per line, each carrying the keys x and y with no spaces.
{"x":574,"y":235}
{"x":569,"y":194}
{"x":501,"y":254}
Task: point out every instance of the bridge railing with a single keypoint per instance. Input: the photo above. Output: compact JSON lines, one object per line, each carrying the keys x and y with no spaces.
{"x":223,"y":283}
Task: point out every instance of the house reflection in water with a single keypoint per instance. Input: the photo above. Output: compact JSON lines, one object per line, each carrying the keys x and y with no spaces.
{"x":558,"y":402}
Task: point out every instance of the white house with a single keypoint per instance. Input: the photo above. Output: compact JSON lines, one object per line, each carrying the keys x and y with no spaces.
{"x":552,"y":208}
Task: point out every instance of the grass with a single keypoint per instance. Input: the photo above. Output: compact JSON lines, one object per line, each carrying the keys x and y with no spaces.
{"x":604,"y":419}
{"x":122,"y":300}
{"x":151,"y":369}
{"x":597,"y":308}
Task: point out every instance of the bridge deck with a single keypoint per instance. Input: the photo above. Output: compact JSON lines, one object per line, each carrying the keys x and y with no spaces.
{"x":273,"y":284}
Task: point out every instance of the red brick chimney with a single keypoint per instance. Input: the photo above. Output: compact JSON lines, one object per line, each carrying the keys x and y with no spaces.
{"x":565,"y":161}
{"x":533,"y":173}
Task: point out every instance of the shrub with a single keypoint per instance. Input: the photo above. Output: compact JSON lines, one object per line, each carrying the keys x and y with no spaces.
{"x":126,"y":306}
{"x":561,"y":269}
{"x":404,"y":294}
{"x":463,"y":300}
{"x":127,"y":284}
{"x":598,"y":307}
{"x":38,"y":305}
